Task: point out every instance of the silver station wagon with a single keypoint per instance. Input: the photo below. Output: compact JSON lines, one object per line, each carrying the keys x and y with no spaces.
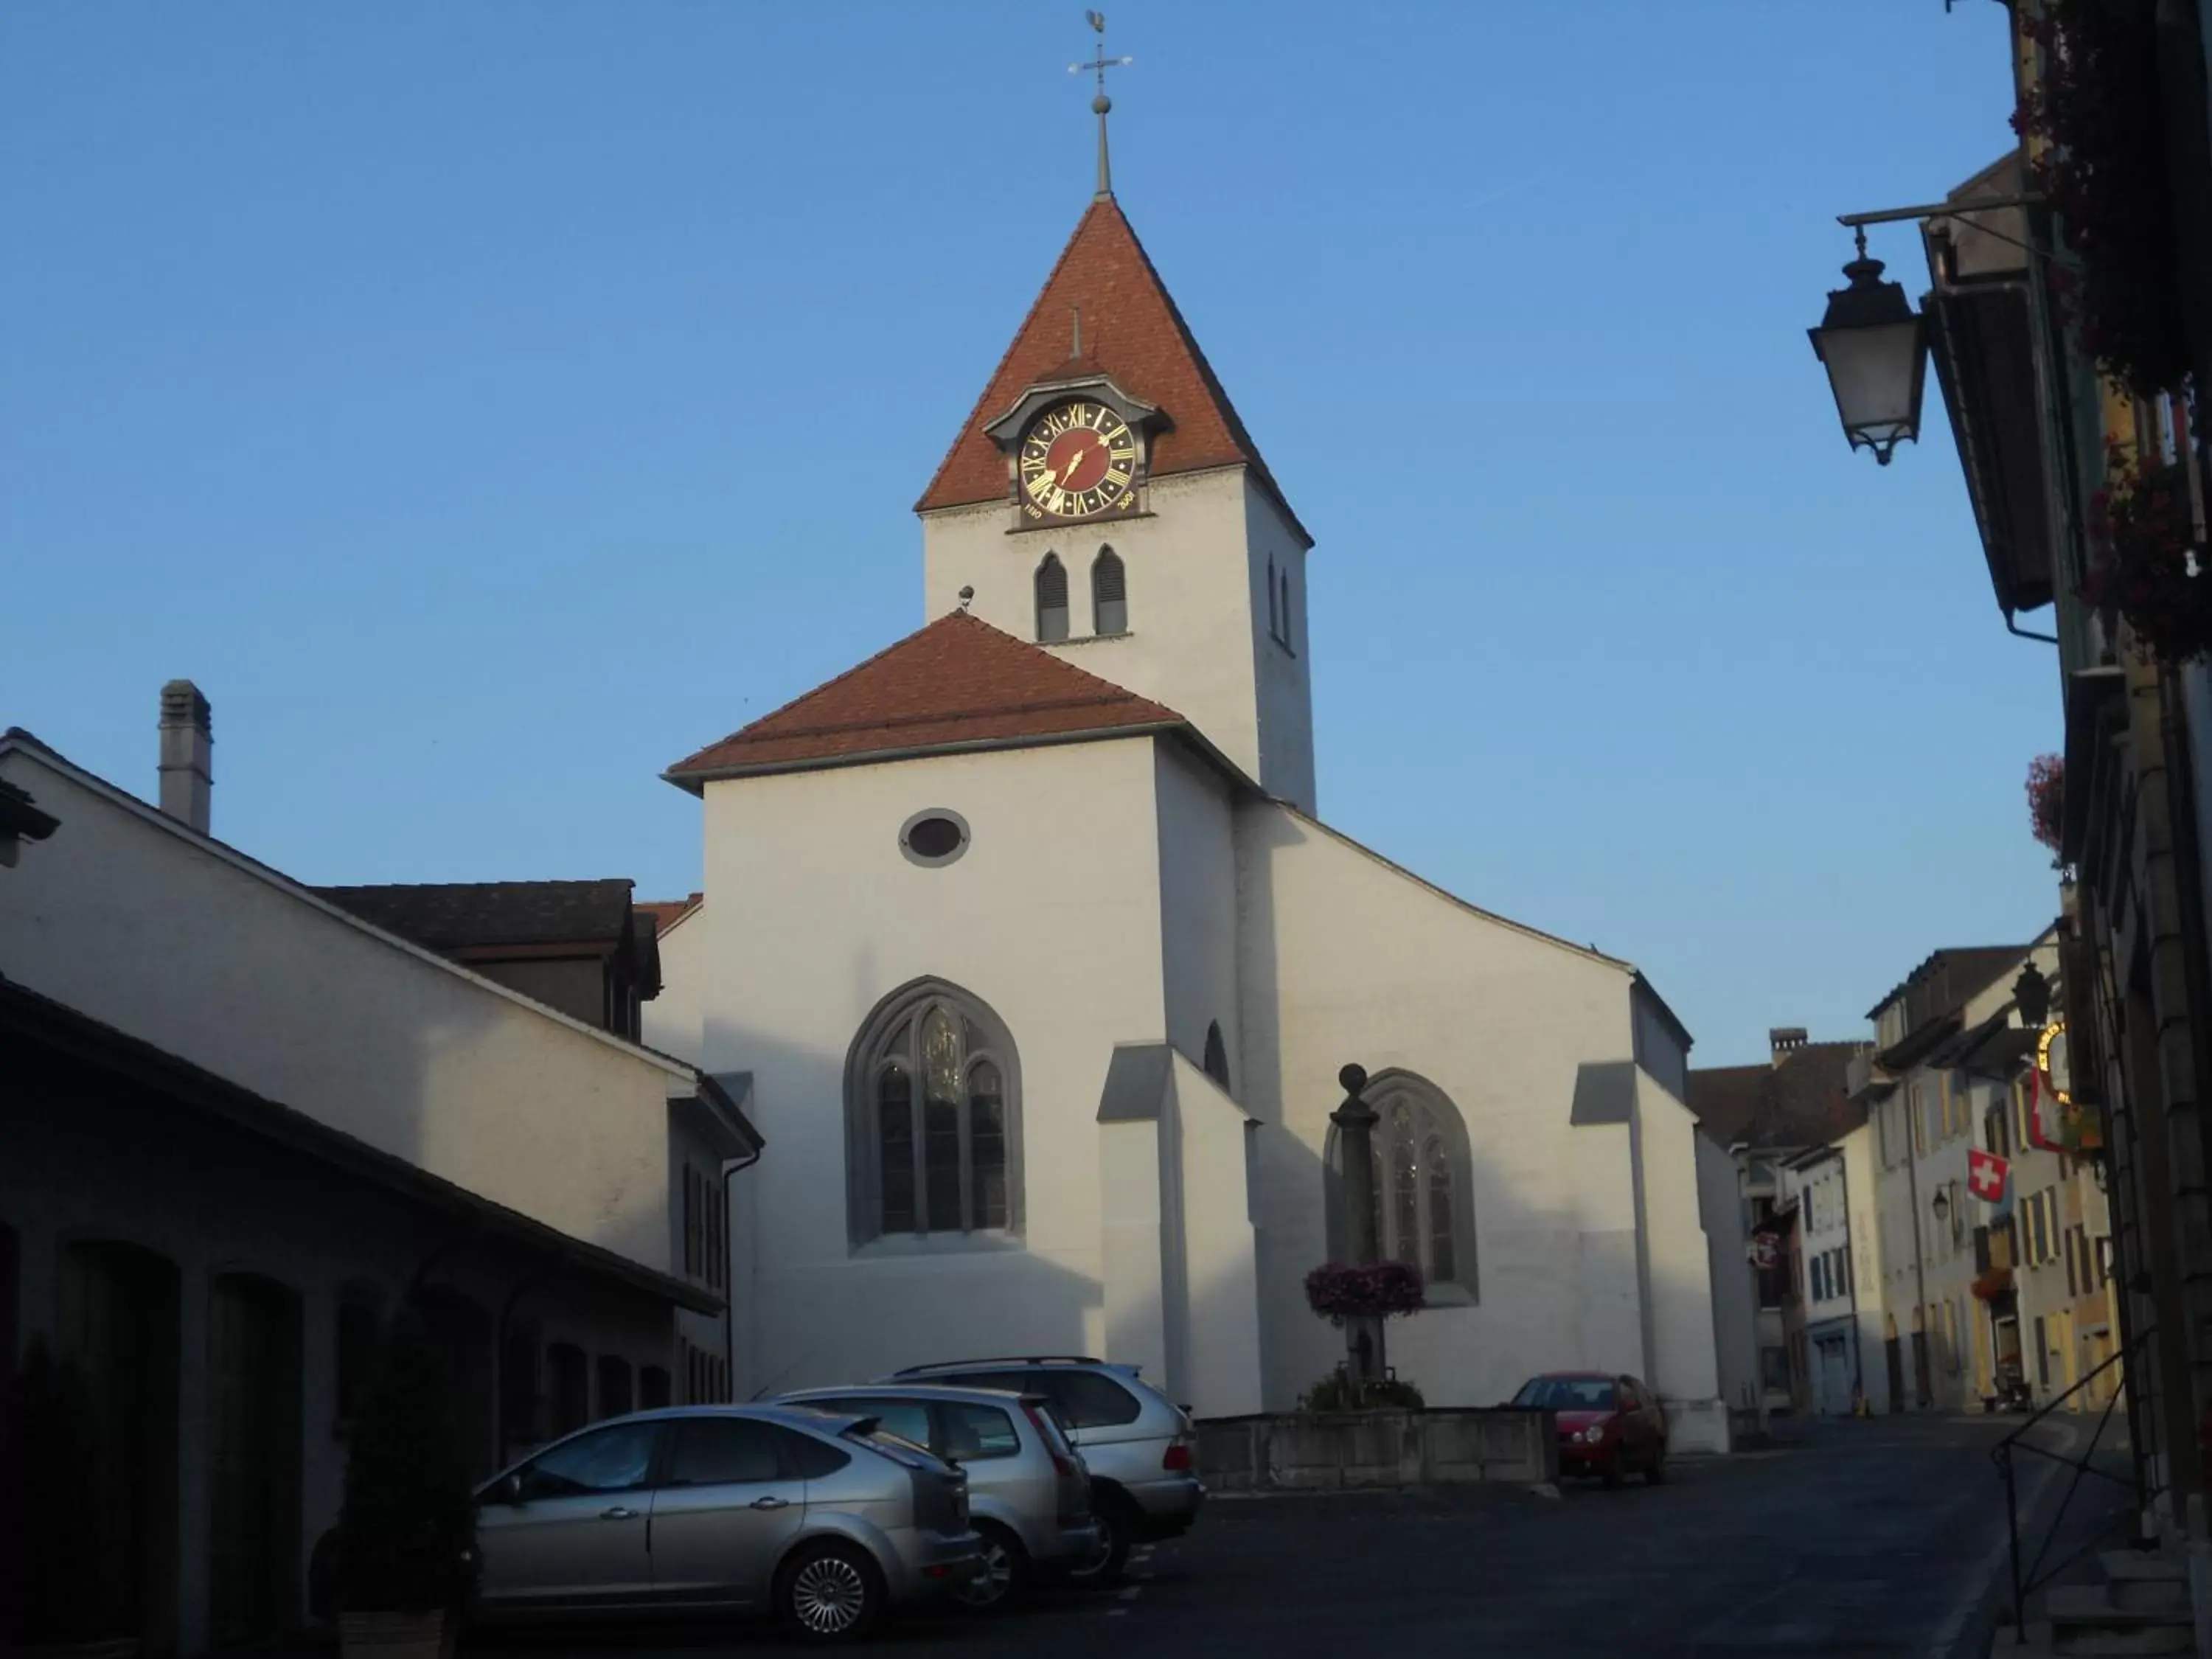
{"x":1028,"y":1489}
{"x":1139,"y":1446}
{"x":821,"y":1518}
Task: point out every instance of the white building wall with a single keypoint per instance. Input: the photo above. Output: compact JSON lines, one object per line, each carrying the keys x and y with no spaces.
{"x":1350,"y":959}
{"x":138,"y":923}
{"x":1684,"y":1366}
{"x":1198,"y":905}
{"x":1051,"y":917}
{"x":1867,"y":1277}
{"x":1720,"y":1209}
{"x":1197,"y":638}
{"x":672,"y":1021}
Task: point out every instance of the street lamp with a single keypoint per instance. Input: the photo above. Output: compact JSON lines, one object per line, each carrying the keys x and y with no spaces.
{"x":1941,"y":1206}
{"x":1875,"y":347}
{"x":2031,"y":994}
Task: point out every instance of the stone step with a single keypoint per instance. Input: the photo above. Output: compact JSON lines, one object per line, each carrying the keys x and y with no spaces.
{"x":2138,"y":1566}
{"x":2149,"y":1595}
{"x":2086,"y":1620}
{"x":2114,"y":1644}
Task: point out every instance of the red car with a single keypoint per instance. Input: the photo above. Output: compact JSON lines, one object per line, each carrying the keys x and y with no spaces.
{"x":1608,"y":1425}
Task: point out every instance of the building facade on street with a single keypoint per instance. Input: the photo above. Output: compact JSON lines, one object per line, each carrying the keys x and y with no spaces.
{"x":1769,"y":1117}
{"x":2069,"y":319}
{"x":245,"y":1125}
{"x":1044,"y":969}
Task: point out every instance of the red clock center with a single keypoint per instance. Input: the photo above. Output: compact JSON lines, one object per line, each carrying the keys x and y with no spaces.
{"x":1078,"y":459}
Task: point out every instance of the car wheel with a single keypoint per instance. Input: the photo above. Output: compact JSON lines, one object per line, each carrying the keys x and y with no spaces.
{"x":1005,"y":1574}
{"x":829,"y":1592}
{"x":1657,"y":1472}
{"x":1118,"y":1529}
{"x":1610,"y":1473}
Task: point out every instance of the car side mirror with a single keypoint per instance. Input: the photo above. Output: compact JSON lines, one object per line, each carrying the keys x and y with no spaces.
{"x":509,"y":1491}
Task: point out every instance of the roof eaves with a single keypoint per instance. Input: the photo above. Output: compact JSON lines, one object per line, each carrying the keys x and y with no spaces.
{"x":43,"y":1019}
{"x":16,"y":738}
{"x":695,"y":780}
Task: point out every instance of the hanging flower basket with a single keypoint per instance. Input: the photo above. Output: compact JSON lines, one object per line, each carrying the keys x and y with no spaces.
{"x":2144,"y":562}
{"x":2093,"y":122}
{"x":1338,"y":1292}
{"x":2046,"y":796}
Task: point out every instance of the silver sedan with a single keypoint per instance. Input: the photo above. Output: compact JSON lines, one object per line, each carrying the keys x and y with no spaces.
{"x":820,"y":1518}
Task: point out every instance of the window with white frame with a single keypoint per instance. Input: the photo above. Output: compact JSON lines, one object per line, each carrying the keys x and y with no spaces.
{"x":932,"y":1101}
{"x":1424,"y":1190}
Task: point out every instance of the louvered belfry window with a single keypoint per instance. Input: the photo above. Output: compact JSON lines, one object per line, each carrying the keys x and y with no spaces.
{"x":1110,"y":594}
{"x":1051,"y":599}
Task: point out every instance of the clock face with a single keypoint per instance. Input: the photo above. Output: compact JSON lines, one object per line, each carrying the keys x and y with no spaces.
{"x":1078,"y":460}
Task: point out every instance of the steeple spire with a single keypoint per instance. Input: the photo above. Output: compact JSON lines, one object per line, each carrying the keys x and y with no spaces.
{"x":1101,"y":105}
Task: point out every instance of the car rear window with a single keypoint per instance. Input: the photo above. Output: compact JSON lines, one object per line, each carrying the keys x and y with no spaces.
{"x":1087,"y":1400}
{"x":907,"y":1419}
{"x":1567,"y":1393}
{"x":716,"y":1451}
{"x":977,"y":1431}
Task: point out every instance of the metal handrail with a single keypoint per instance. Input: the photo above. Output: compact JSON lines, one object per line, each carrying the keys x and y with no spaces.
{"x":2001,"y":1453}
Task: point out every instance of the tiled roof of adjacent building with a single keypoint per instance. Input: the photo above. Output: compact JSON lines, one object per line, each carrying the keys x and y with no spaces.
{"x":1964,"y":969}
{"x":956,"y":683}
{"x":1799,"y":1100}
{"x":461,"y":915}
{"x":664,"y":914}
{"x":1133,"y":333}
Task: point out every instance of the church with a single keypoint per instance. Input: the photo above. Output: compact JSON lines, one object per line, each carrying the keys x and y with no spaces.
{"x":1036,"y":965}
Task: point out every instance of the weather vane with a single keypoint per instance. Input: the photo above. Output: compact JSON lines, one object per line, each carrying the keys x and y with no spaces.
{"x":1102,"y":103}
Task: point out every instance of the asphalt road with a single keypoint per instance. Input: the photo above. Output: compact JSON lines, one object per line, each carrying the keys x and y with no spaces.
{"x":1845,"y":1539}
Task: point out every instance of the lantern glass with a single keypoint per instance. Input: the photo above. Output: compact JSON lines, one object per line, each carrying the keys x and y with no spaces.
{"x":1875,"y":347}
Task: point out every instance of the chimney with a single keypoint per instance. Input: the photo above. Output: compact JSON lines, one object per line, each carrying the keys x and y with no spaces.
{"x":1784,"y":1041}
{"x":187,"y":753}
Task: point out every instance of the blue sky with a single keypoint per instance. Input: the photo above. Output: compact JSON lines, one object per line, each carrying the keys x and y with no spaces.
{"x":487,"y":403}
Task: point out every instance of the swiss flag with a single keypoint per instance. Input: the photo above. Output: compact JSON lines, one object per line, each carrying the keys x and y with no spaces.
{"x":1986,"y":1176}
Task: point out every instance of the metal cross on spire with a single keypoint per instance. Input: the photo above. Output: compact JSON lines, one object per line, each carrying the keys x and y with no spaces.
{"x":1102,"y":103}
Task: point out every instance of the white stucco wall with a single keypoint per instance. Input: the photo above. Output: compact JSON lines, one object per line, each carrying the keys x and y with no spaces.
{"x":169,"y":938}
{"x":1198,"y":618}
{"x":1198,"y":905}
{"x":671,"y":1022}
{"x":1051,"y":917}
{"x":1349,"y":959}
{"x":1683,"y":1366}
{"x":1720,"y":1206}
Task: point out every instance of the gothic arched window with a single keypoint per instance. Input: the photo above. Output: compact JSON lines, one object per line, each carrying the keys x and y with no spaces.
{"x":1424,"y":1190}
{"x":1286,"y":633}
{"x":1051,"y":599}
{"x":1274,"y":607}
{"x":933,"y":1116}
{"x":1109,"y":593}
{"x":1216,"y":1056}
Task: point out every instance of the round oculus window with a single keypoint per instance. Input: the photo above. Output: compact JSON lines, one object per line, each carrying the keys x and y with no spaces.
{"x":934,"y":837}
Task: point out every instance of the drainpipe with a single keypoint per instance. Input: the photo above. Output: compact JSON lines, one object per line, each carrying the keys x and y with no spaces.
{"x":731,"y":1166}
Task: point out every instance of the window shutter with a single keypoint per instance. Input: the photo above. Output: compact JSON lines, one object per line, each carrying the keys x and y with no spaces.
{"x":1052,"y":600}
{"x":1110,"y":594}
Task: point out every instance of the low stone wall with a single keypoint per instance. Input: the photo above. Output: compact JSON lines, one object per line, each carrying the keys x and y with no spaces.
{"x":1325,"y":1451}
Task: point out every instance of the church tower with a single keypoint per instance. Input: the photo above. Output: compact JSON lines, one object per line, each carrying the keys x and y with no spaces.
{"x":1104,"y":500}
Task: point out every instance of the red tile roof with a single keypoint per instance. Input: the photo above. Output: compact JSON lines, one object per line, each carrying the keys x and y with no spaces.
{"x":958,"y":684}
{"x":664,"y":914}
{"x":1132,"y":332}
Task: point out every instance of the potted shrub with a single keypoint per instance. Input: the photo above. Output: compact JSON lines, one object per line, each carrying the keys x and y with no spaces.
{"x":2047,"y":802}
{"x":405,"y":1555}
{"x":51,"y":1600}
{"x":1345,"y":1293}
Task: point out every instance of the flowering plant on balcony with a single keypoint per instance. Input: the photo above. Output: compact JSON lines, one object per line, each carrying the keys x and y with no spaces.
{"x":2098,"y":155}
{"x":2144,"y":561}
{"x":1338,"y":1290}
{"x":2046,"y":792}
